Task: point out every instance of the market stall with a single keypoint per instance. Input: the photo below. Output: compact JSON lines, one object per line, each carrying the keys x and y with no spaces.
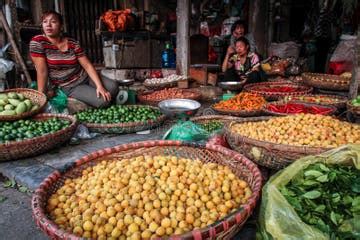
{"x":222,"y":140}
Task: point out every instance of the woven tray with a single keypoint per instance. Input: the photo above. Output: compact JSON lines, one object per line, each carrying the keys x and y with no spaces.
{"x":37,"y":145}
{"x":36,"y":97}
{"x":253,"y":88}
{"x":327,"y":81}
{"x":129,"y":127}
{"x":223,"y":229}
{"x":160,"y":86}
{"x":341,"y":103}
{"x":351,"y":108}
{"x":267,"y":154}
{"x":265,"y":110}
{"x":196,"y":96}
{"x":238,"y":113}
{"x":209,"y":118}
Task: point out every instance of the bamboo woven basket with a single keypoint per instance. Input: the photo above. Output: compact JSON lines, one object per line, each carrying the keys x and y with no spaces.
{"x":339,"y":103}
{"x":268,"y":111}
{"x":267,"y":154}
{"x":128,"y":127}
{"x":36,"y":97}
{"x":37,"y":145}
{"x":353,"y":109}
{"x":254,"y":88}
{"x":327,"y":81}
{"x":196,"y":95}
{"x":223,"y":229}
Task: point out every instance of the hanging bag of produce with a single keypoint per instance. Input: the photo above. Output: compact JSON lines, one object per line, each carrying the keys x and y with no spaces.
{"x":316,"y":197}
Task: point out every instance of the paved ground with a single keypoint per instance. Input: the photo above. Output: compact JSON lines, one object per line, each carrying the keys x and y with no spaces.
{"x":16,"y":221}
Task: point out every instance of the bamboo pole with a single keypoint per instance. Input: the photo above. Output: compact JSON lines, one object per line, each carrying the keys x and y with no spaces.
{"x":182,"y":38}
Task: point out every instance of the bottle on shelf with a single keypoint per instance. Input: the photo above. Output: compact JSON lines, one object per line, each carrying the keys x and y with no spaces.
{"x":168,"y":56}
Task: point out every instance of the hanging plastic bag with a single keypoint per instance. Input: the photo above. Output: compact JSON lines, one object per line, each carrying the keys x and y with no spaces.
{"x":60,"y":101}
{"x":278,"y":219}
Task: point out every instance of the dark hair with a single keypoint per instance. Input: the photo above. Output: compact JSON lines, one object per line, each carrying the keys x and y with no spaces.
{"x":244,"y":40}
{"x":52,"y":12}
{"x":239,"y":23}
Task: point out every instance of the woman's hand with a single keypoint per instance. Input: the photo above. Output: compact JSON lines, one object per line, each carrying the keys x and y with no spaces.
{"x":102,"y":92}
{"x":230,"y":50}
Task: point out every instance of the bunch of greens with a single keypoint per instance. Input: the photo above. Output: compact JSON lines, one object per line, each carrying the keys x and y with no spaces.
{"x":327,"y":197}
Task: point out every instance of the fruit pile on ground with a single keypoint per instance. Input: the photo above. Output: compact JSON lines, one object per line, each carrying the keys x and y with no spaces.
{"x":301,"y":129}
{"x":146,"y":197}
{"x":24,"y":129}
{"x":118,"y":114}
{"x":13,"y":103}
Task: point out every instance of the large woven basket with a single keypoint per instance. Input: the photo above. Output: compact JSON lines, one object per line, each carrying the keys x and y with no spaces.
{"x":128,"y":127}
{"x":353,"y":109}
{"x":36,"y":97}
{"x":37,"y":145}
{"x":278,"y":103}
{"x":267,"y":154}
{"x":223,"y":229}
{"x":196,"y":95}
{"x":256,"y":88}
{"x":339,"y":103}
{"x":327,"y":81}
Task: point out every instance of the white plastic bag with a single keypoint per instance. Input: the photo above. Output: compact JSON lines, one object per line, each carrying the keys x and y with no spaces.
{"x":345,"y":50}
{"x":5,"y":66}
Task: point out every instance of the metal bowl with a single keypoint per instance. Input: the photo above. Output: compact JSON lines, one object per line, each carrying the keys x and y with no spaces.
{"x":179,"y":107}
{"x":125,"y":82}
{"x":231,"y":85}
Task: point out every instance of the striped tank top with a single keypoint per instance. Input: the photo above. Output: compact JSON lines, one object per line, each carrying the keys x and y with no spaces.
{"x":64,"y":68}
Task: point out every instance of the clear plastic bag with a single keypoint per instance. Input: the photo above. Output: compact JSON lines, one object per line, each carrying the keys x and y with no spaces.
{"x":278,"y":219}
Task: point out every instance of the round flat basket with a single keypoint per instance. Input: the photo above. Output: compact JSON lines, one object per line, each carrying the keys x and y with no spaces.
{"x":242,"y":113}
{"x":260,"y":88}
{"x":193,"y":95}
{"x":266,"y":109}
{"x":327,"y":81}
{"x":353,"y":109}
{"x":224,"y":228}
{"x":267,"y":154}
{"x":35,"y":97}
{"x":128,"y":127}
{"x":37,"y":145}
{"x":160,"y":86}
{"x":219,"y":118}
{"x":338,"y":101}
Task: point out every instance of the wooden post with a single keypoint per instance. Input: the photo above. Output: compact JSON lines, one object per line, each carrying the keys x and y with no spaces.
{"x":182,"y":38}
{"x":354,"y":84}
{"x":15,"y":48}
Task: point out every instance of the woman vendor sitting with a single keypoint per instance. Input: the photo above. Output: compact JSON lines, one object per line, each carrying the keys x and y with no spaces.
{"x":241,"y":61}
{"x":60,"y":62}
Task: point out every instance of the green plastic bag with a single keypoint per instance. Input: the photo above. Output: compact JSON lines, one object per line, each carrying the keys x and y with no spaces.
{"x":187,"y":131}
{"x":277,"y":218}
{"x":60,"y":101}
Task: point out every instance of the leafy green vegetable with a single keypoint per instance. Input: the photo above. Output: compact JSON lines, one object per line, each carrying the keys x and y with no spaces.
{"x":326,"y":197}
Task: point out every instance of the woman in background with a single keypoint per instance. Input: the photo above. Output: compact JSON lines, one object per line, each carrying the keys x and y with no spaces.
{"x":60,"y":62}
{"x":242,"y":65}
